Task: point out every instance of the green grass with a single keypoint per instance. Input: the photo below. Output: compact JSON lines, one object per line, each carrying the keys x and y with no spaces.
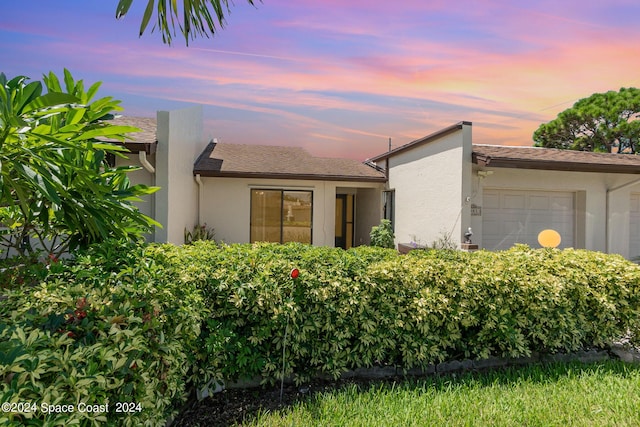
{"x":602,"y":394}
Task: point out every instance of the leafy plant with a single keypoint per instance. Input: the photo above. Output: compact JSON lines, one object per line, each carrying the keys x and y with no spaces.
{"x":199,"y":232}
{"x":127,"y":322}
{"x":99,"y":336}
{"x":17,"y":272}
{"x":56,"y":188}
{"x":368,"y":305}
{"x":382,"y":235}
{"x":194,"y":17}
{"x":444,"y":241}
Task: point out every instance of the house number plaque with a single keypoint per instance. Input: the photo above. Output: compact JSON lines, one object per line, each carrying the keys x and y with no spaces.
{"x":476,"y":210}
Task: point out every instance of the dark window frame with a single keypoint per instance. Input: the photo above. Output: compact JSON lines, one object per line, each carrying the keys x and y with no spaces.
{"x":282,"y":191}
{"x":389,"y":212}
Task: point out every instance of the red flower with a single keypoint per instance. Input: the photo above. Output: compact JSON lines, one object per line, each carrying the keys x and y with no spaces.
{"x":295,"y":273}
{"x":70,"y":334}
{"x":80,"y":314}
{"x":53,"y":258}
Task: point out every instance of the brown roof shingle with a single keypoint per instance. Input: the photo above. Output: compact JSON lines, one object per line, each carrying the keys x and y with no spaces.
{"x":145,"y":140}
{"x":265,"y":161}
{"x":554,"y":159}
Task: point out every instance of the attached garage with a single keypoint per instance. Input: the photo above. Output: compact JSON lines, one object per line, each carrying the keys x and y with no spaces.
{"x":518,"y":216}
{"x":444,"y":185}
{"x":634,"y":226}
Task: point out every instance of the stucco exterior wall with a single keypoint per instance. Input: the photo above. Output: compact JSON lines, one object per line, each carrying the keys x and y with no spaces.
{"x":431,"y":183}
{"x":225,"y":205}
{"x":179,"y":144}
{"x":141,"y":176}
{"x":599,"y":231}
{"x":368,"y":213}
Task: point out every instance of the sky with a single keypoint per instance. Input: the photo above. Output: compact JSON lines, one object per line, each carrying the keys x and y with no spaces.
{"x":340,"y":78}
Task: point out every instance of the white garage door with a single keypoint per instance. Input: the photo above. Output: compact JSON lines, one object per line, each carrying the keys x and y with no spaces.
{"x":517,"y":216}
{"x":634,"y":227}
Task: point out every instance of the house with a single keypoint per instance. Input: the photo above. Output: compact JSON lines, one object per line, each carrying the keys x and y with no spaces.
{"x":250,"y":193}
{"x":437,"y":186}
{"x":445,"y":184}
{"x":280,"y":194}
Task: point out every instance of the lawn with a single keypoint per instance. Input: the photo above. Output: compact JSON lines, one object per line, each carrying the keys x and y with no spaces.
{"x":602,"y":394}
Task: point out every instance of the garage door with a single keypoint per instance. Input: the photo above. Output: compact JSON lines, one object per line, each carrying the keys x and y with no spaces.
{"x":634,"y":227}
{"x":517,"y":216}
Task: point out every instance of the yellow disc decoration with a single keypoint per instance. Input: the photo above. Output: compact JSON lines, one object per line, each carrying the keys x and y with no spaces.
{"x":549,"y":238}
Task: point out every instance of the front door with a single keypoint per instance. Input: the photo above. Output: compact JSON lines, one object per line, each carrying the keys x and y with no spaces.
{"x":344,"y":221}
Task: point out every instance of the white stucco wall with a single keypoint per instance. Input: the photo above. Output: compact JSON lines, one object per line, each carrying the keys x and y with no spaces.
{"x":141,"y":176}
{"x":368,"y":213}
{"x":179,"y":144}
{"x":226,"y":205}
{"x":432,"y":183}
{"x":593,"y":233}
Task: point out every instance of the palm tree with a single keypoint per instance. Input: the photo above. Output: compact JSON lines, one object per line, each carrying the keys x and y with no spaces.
{"x":193,"y":17}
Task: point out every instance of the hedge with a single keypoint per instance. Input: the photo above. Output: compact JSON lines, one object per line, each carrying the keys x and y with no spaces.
{"x":370,"y":306}
{"x":115,"y":326}
{"x":145,"y":324}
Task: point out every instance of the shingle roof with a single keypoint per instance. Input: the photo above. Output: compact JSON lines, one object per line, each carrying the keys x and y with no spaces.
{"x":145,"y":140}
{"x":265,"y":161}
{"x":554,"y":159}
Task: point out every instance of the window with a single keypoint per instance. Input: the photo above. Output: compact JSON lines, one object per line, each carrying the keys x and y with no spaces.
{"x":389,"y":198}
{"x":281,"y":216}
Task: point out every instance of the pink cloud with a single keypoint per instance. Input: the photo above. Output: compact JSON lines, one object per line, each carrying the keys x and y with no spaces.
{"x":519,"y":66}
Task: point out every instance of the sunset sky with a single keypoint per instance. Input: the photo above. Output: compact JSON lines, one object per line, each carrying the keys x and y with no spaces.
{"x":340,"y":77}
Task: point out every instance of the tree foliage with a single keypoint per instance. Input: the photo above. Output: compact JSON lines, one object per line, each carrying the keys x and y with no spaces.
{"x":604,"y":122}
{"x":56,"y":186}
{"x":194,"y":18}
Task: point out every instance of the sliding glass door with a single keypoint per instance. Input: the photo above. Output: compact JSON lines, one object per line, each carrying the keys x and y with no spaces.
{"x":281,"y":216}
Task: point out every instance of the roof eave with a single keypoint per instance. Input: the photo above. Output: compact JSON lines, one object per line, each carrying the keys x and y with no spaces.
{"x":305,"y":177}
{"x":498,"y":162}
{"x":136,"y":147}
{"x":421,"y":141}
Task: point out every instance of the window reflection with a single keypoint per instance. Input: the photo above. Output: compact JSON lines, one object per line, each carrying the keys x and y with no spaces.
{"x":281,"y":216}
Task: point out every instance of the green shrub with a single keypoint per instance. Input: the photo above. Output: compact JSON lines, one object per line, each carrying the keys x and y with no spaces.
{"x":382,"y":235}
{"x":141,"y":324}
{"x":367,"y":306}
{"x":21,"y":271}
{"x":100,"y":331}
{"x":199,"y":232}
{"x":516,"y":302}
